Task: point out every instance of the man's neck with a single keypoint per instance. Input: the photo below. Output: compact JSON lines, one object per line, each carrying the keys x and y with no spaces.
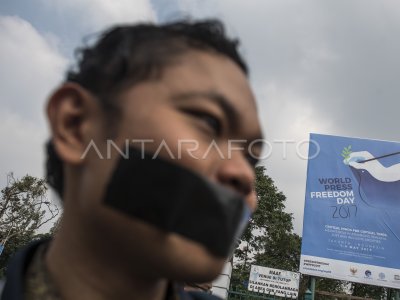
{"x":79,"y":275}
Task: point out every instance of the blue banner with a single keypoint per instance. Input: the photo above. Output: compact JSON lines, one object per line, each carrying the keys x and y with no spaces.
{"x":351,"y":228}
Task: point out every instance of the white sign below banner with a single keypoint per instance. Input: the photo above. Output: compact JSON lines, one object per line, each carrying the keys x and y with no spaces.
{"x":274,"y":282}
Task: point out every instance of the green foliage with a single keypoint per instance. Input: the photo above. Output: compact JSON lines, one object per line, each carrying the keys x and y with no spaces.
{"x":346,"y":152}
{"x":24,"y":208}
{"x":268,"y":240}
{"x":330,"y":285}
{"x":367,"y":291}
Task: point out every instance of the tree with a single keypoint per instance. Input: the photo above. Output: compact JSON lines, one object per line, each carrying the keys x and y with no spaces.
{"x":370,"y":291}
{"x":330,"y":285}
{"x":268,"y":240}
{"x":24,"y":208}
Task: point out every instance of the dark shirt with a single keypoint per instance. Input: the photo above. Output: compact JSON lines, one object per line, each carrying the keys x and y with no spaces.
{"x":28,"y":278}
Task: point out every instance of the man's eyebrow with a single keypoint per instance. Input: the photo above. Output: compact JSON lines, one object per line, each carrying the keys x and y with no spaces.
{"x":229,"y":110}
{"x":222,"y":101}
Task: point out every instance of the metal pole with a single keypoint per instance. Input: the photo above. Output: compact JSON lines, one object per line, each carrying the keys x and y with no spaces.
{"x":312,"y":287}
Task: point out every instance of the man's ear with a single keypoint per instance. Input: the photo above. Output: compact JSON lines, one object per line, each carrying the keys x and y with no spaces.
{"x":71,"y":110}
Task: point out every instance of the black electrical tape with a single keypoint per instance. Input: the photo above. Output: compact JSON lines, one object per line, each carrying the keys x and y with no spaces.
{"x":175,"y":199}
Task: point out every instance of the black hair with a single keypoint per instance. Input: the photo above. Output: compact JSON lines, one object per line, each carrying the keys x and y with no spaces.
{"x":126,"y":55}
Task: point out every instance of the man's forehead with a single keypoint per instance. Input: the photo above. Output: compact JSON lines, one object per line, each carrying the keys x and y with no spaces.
{"x":208,"y":71}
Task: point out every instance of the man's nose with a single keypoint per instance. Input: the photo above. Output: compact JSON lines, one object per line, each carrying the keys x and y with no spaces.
{"x":237,"y":173}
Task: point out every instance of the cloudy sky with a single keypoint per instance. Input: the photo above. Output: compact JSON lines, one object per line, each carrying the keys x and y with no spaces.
{"x":316,"y":66}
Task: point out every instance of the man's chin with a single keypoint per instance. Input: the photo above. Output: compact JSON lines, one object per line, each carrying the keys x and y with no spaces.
{"x":161,"y":254}
{"x":191,"y":261}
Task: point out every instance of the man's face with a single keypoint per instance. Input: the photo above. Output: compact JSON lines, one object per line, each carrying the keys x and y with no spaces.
{"x":201,"y":114}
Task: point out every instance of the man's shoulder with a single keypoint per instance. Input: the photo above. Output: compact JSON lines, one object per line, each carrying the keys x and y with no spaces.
{"x":12,"y":288}
{"x":201,"y":296}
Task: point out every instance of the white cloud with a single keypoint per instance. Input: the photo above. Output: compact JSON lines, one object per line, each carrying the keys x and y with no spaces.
{"x":189,"y":8}
{"x":22,"y":148}
{"x":94,"y":15}
{"x":319,"y":66}
{"x":31,"y":68}
{"x":288,"y":118}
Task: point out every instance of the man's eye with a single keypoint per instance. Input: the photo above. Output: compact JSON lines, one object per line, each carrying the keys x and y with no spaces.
{"x":211,"y":121}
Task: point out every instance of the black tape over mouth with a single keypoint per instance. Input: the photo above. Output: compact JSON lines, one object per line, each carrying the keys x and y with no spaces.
{"x":175,"y":199}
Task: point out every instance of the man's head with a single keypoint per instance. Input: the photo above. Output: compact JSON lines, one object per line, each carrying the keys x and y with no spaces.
{"x":181,"y":92}
{"x":127,"y":55}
